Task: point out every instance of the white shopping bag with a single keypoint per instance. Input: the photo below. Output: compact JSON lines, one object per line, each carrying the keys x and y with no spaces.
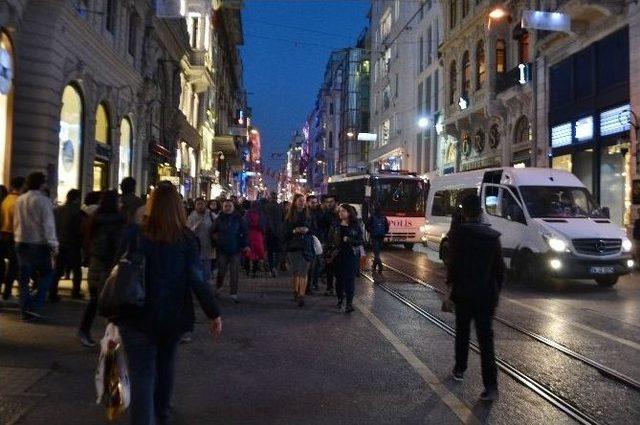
{"x":317,"y":246}
{"x":113,"y":388}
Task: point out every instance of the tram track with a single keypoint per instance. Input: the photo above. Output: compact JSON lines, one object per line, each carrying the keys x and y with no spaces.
{"x":561,"y":403}
{"x":599,"y":367}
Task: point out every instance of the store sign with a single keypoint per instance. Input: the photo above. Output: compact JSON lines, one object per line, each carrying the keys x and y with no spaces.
{"x":547,"y":21}
{"x":6,"y":71}
{"x":367,"y":137}
{"x":616,"y":120}
{"x":561,"y":135}
{"x":493,"y":161}
{"x":584,"y":129}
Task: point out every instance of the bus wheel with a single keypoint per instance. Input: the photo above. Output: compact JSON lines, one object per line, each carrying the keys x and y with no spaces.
{"x":409,"y":246}
{"x":607,"y":281}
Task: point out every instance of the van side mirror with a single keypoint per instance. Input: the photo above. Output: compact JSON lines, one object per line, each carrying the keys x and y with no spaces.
{"x":606,"y":212}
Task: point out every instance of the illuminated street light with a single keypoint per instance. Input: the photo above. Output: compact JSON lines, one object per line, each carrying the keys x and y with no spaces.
{"x":423,"y":122}
{"x":350,"y":134}
{"x":497,"y":13}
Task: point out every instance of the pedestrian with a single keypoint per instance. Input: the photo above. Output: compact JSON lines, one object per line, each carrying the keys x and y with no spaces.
{"x":36,"y":242}
{"x":297,"y":225}
{"x":200,"y":222}
{"x":475,"y":269}
{"x":150,"y":335}
{"x":344,"y":242}
{"x":329,"y":219}
{"x":315,"y":217}
{"x":230,"y":237}
{"x":69,"y":222}
{"x":105,"y":232}
{"x":256,"y":225}
{"x":378,"y":227}
{"x":214,"y":207}
{"x":274,"y":219}
{"x":131,"y":205}
{"x":7,"y":245}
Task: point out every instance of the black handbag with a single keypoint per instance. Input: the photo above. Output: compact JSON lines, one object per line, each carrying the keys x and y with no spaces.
{"x":125,"y":287}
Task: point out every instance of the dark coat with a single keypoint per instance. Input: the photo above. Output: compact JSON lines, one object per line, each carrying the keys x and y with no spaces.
{"x":316,"y":217}
{"x":475,"y":267}
{"x":172,"y":272}
{"x":295,"y":242}
{"x":273,"y":218}
{"x":129,"y":205}
{"x":105,"y":240}
{"x":69,"y":219}
{"x":230,"y":233}
{"x":344,"y":256}
{"x":329,"y":219}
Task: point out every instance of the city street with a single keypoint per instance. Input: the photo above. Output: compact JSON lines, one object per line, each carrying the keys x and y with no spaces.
{"x":385,"y":364}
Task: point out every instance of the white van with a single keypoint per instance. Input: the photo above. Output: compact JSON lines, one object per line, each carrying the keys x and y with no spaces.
{"x":549,"y":222}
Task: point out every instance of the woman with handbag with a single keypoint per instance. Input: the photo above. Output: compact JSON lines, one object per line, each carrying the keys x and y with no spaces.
{"x":150,"y":334}
{"x":344,"y":242}
{"x":296,"y":225}
{"x":104,"y":233}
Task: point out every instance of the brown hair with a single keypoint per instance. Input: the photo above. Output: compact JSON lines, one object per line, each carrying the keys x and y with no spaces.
{"x":291,"y":212}
{"x":165,"y":219}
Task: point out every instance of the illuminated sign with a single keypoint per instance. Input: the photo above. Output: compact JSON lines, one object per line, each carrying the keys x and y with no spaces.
{"x":463,"y":103}
{"x":548,"y":21}
{"x":561,"y":135}
{"x":616,"y":120}
{"x":584,"y":129}
{"x":524,"y":76}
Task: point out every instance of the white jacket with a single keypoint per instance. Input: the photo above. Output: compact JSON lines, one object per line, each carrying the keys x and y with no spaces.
{"x":33,"y":221}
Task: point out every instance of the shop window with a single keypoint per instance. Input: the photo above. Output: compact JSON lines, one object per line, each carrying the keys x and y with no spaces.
{"x":614,"y":167}
{"x":501,"y":56}
{"x":103,"y":130}
{"x":70,"y":136}
{"x":126,"y":139}
{"x":466,"y":74}
{"x":481,"y":66}
{"x":613,"y":59}
{"x":6,"y":108}
{"x":453,"y":82}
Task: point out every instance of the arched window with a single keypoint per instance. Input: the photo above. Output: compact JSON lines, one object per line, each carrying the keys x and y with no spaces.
{"x":523,"y":48}
{"x":6,"y":107}
{"x":466,"y":74}
{"x":501,"y":56}
{"x":481,"y":65}
{"x":126,"y":139}
{"x":522,"y":133}
{"x":453,"y":82}
{"x":71,"y":119}
{"x":103,"y":131}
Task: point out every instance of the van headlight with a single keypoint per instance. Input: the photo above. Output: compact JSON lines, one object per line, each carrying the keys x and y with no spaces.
{"x":557,"y":244}
{"x":423,"y":228}
{"x":626,"y":245}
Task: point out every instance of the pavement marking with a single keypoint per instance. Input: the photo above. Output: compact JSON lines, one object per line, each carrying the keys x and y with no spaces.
{"x":603,"y":334}
{"x":451,"y":400}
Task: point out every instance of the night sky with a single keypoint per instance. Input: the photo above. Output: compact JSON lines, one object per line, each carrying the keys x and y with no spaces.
{"x":287,"y":45}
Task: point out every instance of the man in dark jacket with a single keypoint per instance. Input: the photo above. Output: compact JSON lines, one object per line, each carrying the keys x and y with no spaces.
{"x":130,"y":204}
{"x":476,"y":272}
{"x":378,"y":227}
{"x":69,"y":218}
{"x":315,"y":218}
{"x":274,"y":218}
{"x":230,"y":235}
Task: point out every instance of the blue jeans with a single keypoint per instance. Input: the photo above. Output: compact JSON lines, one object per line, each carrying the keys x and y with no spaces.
{"x":151,"y":363}
{"x":34,"y":258}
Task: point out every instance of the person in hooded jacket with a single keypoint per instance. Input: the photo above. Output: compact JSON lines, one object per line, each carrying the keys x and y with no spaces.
{"x":475,"y":270}
{"x":105,"y":231}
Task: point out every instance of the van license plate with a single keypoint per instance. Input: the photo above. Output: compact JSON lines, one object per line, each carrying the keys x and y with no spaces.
{"x":601,"y":270}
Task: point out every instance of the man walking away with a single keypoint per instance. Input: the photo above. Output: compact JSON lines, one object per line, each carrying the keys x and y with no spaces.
{"x":230,"y":236}
{"x":7,"y":246}
{"x":378,"y":227}
{"x":130,"y":204}
{"x":200,"y":221}
{"x":274,"y":218}
{"x":476,"y":272}
{"x":36,"y":241}
{"x":69,"y":220}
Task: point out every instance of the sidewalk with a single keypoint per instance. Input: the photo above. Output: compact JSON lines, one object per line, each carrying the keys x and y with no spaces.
{"x":275,"y":363}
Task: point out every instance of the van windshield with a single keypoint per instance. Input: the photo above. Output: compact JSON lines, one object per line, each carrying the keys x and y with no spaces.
{"x":560,"y":202}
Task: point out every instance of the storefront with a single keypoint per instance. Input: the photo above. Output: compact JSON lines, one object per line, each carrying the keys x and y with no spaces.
{"x":102,"y":159}
{"x":6,"y":105}
{"x":70,"y":149}
{"x":589,"y":121}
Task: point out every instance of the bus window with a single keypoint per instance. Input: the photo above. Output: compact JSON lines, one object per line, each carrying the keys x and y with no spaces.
{"x":400,"y":196}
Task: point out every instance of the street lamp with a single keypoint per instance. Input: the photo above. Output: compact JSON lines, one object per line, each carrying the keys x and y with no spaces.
{"x":423,"y":122}
{"x":350,"y":134}
{"x":497,"y":13}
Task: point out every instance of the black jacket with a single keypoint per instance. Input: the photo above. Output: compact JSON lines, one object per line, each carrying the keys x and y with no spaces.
{"x":105,"y":235}
{"x":475,"y":267}
{"x":335,"y":245}
{"x":295,"y":242}
{"x":69,"y":218}
{"x":230,"y":233}
{"x":273,"y":216}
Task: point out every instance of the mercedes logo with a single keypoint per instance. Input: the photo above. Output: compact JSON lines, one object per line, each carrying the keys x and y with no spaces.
{"x":600,"y":246}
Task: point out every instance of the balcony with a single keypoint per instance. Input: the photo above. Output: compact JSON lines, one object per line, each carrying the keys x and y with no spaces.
{"x":518,"y":76}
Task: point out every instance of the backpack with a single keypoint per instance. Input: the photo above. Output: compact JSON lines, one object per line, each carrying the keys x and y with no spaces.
{"x":379,"y":226}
